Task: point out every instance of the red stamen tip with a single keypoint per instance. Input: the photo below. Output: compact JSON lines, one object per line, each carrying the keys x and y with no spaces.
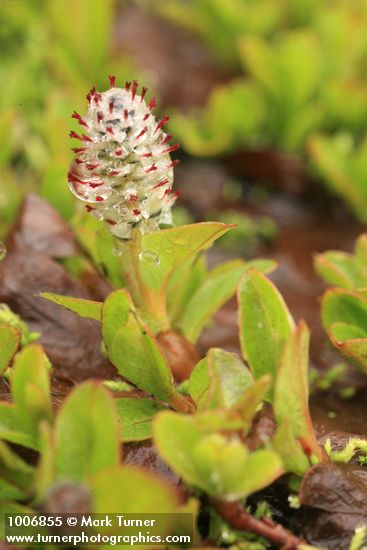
{"x":110,"y":106}
{"x":171,"y":149}
{"x":143,"y":92}
{"x":144,"y":131}
{"x":89,"y":208}
{"x":110,"y":130}
{"x":118,"y":152}
{"x":161,"y":123}
{"x":79,"y":119}
{"x":166,"y":139}
{"x":136,"y":212}
{"x":126,"y":114}
{"x":152,"y":104}
{"x":151,"y":169}
{"x":112,"y":80}
{"x":99,"y":199}
{"x":99,"y":116}
{"x":127,"y":86}
{"x":134,"y":88}
{"x":173,"y":163}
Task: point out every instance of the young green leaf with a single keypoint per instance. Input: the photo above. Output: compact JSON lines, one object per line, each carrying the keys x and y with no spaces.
{"x":219,"y":380}
{"x":31,"y":388}
{"x":336,"y":268}
{"x":84,"y":308}
{"x":218,"y":287}
{"x":136,"y":417}
{"x":344,"y":306}
{"x":133,"y":349}
{"x":87,"y":433}
{"x":131,"y":490}
{"x":265,"y":323}
{"x":351,"y":341}
{"x":291,"y":391}
{"x":12,"y":428}
{"x":289,"y":449}
{"x":221,"y":467}
{"x":171,"y":247}
{"x":10,"y":342}
{"x":14,"y":469}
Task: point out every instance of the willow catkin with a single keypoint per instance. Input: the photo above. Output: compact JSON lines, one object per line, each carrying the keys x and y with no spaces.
{"x":123,"y":169}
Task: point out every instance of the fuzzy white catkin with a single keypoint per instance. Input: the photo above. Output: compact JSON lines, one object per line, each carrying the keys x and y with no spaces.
{"x":123,"y":169}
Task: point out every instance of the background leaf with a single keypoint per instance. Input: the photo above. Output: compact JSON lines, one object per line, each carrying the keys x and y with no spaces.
{"x":265,"y":323}
{"x":84,"y":308}
{"x":87,"y":433}
{"x":136,"y":417}
{"x":10,"y":341}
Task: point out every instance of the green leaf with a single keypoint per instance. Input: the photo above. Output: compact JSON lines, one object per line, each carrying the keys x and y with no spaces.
{"x":343,"y":306}
{"x":84,"y":308}
{"x":289,"y":449}
{"x":10,"y":342}
{"x":87,"y":433}
{"x":265,"y":323}
{"x":221,"y":467}
{"x":250,"y":401}
{"x":219,"y":380}
{"x":136,"y":417}
{"x":133,"y":349}
{"x":131,"y":490}
{"x":336,"y":268}
{"x":291,"y":390}
{"x":12,"y":427}
{"x":351,"y":341}
{"x":183,"y":283}
{"x":31,"y":388}
{"x":218,"y":287}
{"x":14,"y":469}
{"x":173,"y":246}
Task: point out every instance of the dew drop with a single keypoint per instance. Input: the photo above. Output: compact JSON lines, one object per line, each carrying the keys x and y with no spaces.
{"x":149,"y":258}
{"x":3,"y":251}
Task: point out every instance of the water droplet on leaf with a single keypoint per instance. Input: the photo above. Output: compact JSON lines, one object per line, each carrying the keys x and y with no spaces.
{"x":3,"y":251}
{"x":149,"y":258}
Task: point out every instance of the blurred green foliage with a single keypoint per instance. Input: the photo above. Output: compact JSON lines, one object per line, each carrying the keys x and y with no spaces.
{"x":303,"y":65}
{"x":52,"y":53}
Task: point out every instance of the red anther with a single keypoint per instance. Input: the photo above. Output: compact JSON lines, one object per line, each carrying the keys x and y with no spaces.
{"x":146,"y":117}
{"x":79,"y":119}
{"x":99,"y":199}
{"x":73,"y":179}
{"x":118,"y":152}
{"x":99,"y":116}
{"x":144,"y":131}
{"x":160,"y":184}
{"x":133,"y":198}
{"x":112,"y":80}
{"x":167,"y":191}
{"x":171,"y":148}
{"x":173,"y":163}
{"x":80,"y":161}
{"x":126,"y":114}
{"x":136,"y":212}
{"x":110,"y":106}
{"x":152,"y":104}
{"x":86,"y":138}
{"x":166,"y":139}
{"x":91,"y":166}
{"x":161,"y":123}
{"x":127,"y":86}
{"x":114,"y":173}
{"x":79,"y":149}
{"x":94,"y":185}
{"x":147,"y":155}
{"x":97,"y":98}
{"x":110,"y":130}
{"x":143,"y":92}
{"x":91,"y":94}
{"x":89,"y":208}
{"x":151,"y":169}
{"x":111,"y":222}
{"x":134,"y":88}
{"x":73,"y":134}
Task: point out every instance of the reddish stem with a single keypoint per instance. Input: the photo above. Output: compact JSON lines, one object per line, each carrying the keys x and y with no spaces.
{"x":236,"y":516}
